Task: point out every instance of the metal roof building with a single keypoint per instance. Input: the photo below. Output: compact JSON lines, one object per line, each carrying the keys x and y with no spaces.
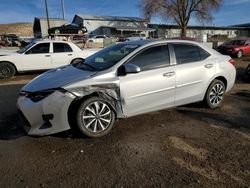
{"x":112,"y":25}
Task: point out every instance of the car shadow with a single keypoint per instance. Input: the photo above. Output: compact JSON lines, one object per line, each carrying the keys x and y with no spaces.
{"x":238,"y":121}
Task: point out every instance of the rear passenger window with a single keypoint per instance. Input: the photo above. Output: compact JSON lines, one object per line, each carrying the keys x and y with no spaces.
{"x":152,"y":58}
{"x":61,"y":47}
{"x":186,"y":53}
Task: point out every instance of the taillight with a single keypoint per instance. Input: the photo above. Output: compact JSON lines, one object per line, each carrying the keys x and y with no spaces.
{"x":231,"y":61}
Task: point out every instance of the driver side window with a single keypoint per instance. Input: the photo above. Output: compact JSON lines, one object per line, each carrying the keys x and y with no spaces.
{"x":42,"y":48}
{"x":152,"y":58}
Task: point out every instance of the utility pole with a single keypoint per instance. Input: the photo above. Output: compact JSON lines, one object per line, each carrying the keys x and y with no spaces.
{"x":63,"y":10}
{"x":47,"y":13}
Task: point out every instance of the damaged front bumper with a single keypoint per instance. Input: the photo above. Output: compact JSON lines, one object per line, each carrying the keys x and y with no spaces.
{"x":48,"y":115}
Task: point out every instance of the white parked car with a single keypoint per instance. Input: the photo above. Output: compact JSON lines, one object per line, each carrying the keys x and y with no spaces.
{"x":125,"y":80}
{"x":41,"y":55}
{"x":97,"y":38}
{"x":136,"y":36}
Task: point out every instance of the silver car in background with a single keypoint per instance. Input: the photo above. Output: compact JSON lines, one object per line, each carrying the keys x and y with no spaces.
{"x":125,"y":80}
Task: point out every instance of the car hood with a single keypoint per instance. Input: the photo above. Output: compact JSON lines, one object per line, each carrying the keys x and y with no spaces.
{"x":57,"y":78}
{"x":7,"y":53}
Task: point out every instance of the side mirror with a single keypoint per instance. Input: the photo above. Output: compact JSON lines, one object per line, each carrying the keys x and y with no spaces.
{"x":132,"y":68}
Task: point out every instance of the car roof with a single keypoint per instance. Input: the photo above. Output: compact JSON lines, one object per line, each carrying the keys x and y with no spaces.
{"x":49,"y":40}
{"x":149,"y":42}
{"x":160,"y":41}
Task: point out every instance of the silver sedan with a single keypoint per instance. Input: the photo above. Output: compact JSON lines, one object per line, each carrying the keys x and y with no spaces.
{"x":125,"y":80}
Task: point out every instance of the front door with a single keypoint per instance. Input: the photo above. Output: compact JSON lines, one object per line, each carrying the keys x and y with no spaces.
{"x":37,"y":58}
{"x":153,"y":88}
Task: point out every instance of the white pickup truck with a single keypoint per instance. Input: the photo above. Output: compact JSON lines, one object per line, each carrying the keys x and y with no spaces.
{"x":42,"y":55}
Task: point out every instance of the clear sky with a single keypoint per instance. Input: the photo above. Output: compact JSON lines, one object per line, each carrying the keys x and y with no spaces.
{"x":11,"y":11}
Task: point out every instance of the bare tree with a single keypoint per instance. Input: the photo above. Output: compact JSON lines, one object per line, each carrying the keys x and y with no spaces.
{"x":180,"y":10}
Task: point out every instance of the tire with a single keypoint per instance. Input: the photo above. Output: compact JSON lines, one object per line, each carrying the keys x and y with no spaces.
{"x":94,"y":124}
{"x":7,"y":70}
{"x":80,"y":32}
{"x":239,"y":54}
{"x":215,"y":94}
{"x":76,"y":61}
{"x":57,"y":31}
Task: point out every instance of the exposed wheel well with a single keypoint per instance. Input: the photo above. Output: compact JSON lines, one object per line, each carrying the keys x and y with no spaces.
{"x":10,"y":63}
{"x":223,"y":79}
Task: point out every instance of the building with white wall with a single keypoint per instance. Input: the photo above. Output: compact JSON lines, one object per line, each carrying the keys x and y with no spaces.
{"x":171,"y":31}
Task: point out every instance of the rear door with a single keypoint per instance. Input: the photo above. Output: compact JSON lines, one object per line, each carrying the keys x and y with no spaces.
{"x":154,"y":87}
{"x":194,"y":69}
{"x":62,"y":54}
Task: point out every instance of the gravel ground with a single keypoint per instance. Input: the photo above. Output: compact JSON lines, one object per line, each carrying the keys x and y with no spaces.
{"x":183,"y":146}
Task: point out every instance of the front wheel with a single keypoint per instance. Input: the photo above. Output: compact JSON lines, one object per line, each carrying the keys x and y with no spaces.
{"x":215,"y":94}
{"x":95,"y":118}
{"x":7,"y":70}
{"x":57,"y":31}
{"x":80,"y":32}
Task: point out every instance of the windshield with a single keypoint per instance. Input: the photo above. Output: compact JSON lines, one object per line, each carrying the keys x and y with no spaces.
{"x":25,"y":48}
{"x":107,"y":57}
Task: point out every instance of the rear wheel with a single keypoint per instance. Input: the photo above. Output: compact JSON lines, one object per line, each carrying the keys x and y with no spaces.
{"x":95,"y":118}
{"x":239,"y":54}
{"x":215,"y":94}
{"x":7,"y":70}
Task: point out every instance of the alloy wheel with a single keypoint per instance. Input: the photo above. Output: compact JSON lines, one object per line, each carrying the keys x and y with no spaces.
{"x":97,"y":117}
{"x":216,"y":94}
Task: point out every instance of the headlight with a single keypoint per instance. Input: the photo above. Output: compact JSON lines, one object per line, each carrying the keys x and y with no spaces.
{"x":39,"y":95}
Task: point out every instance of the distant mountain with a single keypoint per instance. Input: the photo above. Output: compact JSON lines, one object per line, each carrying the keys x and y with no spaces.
{"x":20,"y":29}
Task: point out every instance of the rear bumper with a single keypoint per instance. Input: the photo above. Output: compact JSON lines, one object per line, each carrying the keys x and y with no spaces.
{"x":231,"y":80}
{"x":47,"y":116}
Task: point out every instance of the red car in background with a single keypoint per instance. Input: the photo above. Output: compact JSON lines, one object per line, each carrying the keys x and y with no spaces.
{"x":236,"y":48}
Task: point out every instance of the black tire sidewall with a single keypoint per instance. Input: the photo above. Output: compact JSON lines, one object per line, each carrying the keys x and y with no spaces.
{"x":209,"y":104}
{"x":79,"y":122}
{"x":11,"y":67}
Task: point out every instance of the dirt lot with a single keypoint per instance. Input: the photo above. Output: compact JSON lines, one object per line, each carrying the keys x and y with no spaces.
{"x":184,"y":146}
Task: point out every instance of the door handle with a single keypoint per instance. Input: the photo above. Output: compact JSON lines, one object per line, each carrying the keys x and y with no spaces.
{"x":47,"y":55}
{"x":70,"y":54}
{"x":208,"y":66}
{"x":169,"y":74}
